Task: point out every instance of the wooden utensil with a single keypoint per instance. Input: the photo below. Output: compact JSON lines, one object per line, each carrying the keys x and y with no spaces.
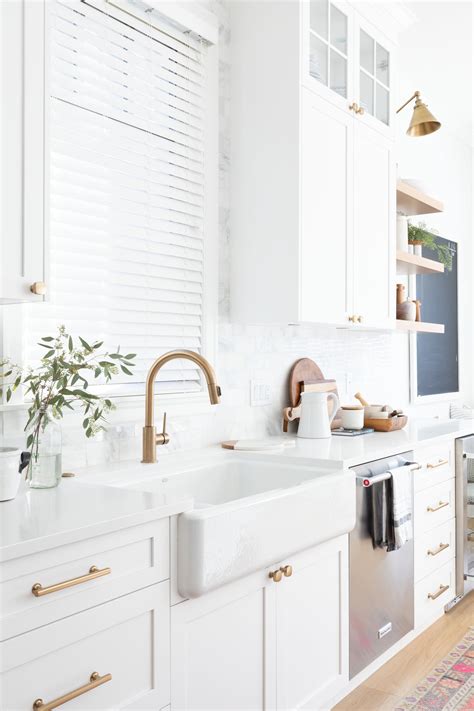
{"x":361,"y":399}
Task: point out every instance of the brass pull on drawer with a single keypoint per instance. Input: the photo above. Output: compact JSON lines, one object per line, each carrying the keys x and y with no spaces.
{"x":440,"y":463}
{"x":95,"y":681}
{"x":442,"y":589}
{"x":94,"y":572}
{"x":439,"y":549}
{"x":441,"y":505}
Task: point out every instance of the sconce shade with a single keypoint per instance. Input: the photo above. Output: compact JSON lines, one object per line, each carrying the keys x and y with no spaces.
{"x":422,"y":121}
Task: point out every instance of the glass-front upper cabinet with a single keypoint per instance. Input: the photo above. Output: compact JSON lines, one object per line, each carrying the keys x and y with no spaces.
{"x":348,"y":61}
{"x":329,"y":46}
{"x":374,"y":76}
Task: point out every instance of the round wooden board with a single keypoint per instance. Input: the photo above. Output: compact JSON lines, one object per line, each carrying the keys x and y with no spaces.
{"x":303,"y":370}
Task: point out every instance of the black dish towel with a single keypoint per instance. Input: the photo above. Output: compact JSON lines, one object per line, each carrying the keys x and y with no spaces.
{"x":381,"y":520}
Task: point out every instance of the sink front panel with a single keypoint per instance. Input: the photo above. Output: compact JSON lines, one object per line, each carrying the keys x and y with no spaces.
{"x":219,"y":544}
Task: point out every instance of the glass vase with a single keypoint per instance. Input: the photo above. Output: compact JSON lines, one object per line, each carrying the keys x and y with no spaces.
{"x":45,"y":468}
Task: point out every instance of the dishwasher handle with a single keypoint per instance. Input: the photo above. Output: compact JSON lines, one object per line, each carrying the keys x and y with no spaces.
{"x":367,"y":481}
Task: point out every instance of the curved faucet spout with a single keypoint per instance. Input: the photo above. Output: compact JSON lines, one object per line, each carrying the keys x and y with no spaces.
{"x":150,"y":438}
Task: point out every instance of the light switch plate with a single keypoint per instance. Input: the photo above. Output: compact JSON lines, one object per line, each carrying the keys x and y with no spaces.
{"x":260,"y":393}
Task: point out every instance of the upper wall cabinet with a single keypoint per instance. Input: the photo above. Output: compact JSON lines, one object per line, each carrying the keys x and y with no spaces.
{"x":347,"y":61}
{"x":22,"y":116}
{"x":313,"y":173}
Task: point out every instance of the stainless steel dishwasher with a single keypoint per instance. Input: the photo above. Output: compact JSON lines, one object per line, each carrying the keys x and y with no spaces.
{"x":464,"y":517}
{"x":381,"y":584}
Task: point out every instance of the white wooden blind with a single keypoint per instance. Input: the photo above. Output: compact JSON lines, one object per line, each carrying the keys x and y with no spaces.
{"x":126,"y":189}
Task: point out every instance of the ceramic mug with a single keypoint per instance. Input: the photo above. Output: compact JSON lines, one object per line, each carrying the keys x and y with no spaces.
{"x":12,"y":462}
{"x":352,"y":417}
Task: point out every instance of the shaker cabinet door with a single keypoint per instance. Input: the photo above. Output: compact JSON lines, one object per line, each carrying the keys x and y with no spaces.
{"x":223,"y":648}
{"x":22,"y":123}
{"x":374,"y":227}
{"x":326,"y":212}
{"x":312,"y":624}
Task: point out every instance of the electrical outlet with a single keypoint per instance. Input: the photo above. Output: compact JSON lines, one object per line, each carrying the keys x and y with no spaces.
{"x":349,"y":384}
{"x":260,"y":393}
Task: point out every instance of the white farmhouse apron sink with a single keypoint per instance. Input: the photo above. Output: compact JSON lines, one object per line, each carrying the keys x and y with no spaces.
{"x":250,"y":513}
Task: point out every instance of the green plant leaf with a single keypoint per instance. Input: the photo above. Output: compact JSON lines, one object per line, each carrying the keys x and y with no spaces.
{"x":126,"y":370}
{"x":85,"y":345}
{"x":48,"y":339}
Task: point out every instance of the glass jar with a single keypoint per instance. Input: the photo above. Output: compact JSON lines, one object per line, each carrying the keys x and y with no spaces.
{"x":45,"y":468}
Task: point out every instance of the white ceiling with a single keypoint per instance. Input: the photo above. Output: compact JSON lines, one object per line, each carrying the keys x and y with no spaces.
{"x":436,"y":57}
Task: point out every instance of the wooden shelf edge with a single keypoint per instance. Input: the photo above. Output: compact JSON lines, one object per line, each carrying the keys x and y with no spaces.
{"x":419,"y":326}
{"x":408,"y":264}
{"x":412,"y":201}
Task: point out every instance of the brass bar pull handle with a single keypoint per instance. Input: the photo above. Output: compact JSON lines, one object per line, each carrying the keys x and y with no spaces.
{"x":442,"y":589}
{"x":441,"y":463}
{"x":94,"y":572}
{"x":441,"y":505}
{"x":439,"y":549}
{"x":95,"y":681}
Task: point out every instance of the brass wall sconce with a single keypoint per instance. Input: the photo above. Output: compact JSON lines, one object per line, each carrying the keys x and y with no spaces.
{"x":422,"y":122}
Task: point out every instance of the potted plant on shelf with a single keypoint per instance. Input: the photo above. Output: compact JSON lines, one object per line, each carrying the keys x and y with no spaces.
{"x":420,"y":236}
{"x":61,"y":381}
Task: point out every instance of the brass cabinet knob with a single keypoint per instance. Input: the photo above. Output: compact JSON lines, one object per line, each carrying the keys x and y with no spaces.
{"x":276,"y":575}
{"x":351,"y":319}
{"x":38,"y":288}
{"x":359,"y":319}
{"x":356,"y":108}
{"x":287,"y":571}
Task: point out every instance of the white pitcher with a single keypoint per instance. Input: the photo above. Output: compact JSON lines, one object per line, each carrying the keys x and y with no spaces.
{"x":315,"y":420}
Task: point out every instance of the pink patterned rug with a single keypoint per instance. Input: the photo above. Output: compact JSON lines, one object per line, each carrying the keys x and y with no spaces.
{"x":450,"y":686}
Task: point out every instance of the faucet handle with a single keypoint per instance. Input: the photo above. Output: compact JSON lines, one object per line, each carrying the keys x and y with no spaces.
{"x":163,"y":437}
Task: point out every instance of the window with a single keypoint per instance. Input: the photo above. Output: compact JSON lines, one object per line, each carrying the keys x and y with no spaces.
{"x":128,"y":117}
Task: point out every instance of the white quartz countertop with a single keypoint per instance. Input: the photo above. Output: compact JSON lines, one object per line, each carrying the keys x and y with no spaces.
{"x":350,"y":451}
{"x":98,"y":501}
{"x":38,"y":519}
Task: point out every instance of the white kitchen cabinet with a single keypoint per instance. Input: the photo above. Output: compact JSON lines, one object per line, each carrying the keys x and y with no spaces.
{"x":312,"y":627}
{"x":223,"y":648}
{"x":23,"y":168}
{"x":326,"y":232}
{"x":374,"y":185}
{"x":373,"y":82}
{"x":313,"y":180}
{"x":269,"y":645}
{"x":126,"y":638}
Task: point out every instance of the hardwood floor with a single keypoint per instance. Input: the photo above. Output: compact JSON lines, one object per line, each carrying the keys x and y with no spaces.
{"x":391,"y":683}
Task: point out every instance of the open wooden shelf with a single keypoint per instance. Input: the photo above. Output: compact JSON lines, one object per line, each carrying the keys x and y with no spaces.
{"x":411,"y":201}
{"x":419,"y":326}
{"x":408,"y":264}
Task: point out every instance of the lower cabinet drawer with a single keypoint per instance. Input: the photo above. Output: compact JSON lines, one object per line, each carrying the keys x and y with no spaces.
{"x":433,"y":592}
{"x":434,"y":506}
{"x":38,"y":589}
{"x":125,"y":641}
{"x":437,"y":465}
{"x":435,"y":548}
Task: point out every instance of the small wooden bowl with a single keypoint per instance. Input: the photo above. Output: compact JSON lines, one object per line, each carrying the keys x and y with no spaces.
{"x":390,"y":425}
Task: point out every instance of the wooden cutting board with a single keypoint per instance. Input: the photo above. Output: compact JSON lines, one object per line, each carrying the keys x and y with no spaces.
{"x":307,"y":375}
